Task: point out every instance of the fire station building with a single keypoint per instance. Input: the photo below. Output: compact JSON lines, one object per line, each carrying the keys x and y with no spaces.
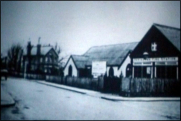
{"x":157,"y":55}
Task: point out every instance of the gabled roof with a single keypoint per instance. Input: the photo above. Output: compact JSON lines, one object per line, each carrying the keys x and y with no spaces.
{"x":44,"y":50}
{"x":171,"y":33}
{"x":112,"y":54}
{"x":80,"y":60}
{"x":110,"y":51}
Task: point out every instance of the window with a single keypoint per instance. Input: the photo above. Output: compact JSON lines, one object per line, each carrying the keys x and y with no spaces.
{"x":171,"y":72}
{"x":41,"y":60}
{"x":128,"y":70}
{"x":50,"y":59}
{"x":70,"y":71}
{"x":146,"y":72}
{"x":168,"y":72}
{"x":161,"y":71}
{"x":32,"y":67}
{"x":137,"y":71}
{"x":46,"y":59}
{"x":111,"y":72}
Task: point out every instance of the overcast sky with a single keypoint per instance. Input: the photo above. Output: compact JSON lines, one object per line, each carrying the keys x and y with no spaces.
{"x":76,"y":26}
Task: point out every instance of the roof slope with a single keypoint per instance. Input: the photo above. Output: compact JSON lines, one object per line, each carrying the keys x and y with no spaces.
{"x":80,"y":60}
{"x":112,"y":54}
{"x":44,"y":50}
{"x":171,"y":33}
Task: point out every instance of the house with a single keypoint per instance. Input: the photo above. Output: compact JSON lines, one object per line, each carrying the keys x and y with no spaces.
{"x":117,"y":58}
{"x":157,"y":55}
{"x":40,"y":59}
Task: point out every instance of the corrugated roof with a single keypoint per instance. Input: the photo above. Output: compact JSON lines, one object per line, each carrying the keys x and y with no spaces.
{"x":80,"y":60}
{"x":171,"y":33}
{"x":44,"y":50}
{"x":112,"y":54}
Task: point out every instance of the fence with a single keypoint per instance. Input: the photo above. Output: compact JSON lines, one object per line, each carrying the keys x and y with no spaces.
{"x":86,"y":83}
{"x":28,"y":75}
{"x":150,"y":87}
{"x":112,"y":85}
{"x":55,"y":79}
{"x":122,"y":86}
{"x":15,"y":74}
{"x":35,"y":76}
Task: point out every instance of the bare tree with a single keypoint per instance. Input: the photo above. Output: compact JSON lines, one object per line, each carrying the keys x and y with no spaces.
{"x":15,"y":53}
{"x":58,"y":50}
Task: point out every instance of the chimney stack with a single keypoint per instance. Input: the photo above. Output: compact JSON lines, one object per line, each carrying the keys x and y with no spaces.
{"x":29,"y":48}
{"x":39,"y":47}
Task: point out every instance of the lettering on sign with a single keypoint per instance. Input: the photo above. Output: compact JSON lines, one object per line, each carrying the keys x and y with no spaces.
{"x":98,"y":68}
{"x":155,"y":59}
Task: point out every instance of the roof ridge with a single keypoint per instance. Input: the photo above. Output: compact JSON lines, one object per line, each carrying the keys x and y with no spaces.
{"x":79,"y":55}
{"x":75,"y":55}
{"x":109,"y":45}
{"x":166,"y":26}
{"x":115,"y":44}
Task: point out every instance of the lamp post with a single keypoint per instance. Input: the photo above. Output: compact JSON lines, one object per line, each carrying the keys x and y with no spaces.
{"x":145,"y":55}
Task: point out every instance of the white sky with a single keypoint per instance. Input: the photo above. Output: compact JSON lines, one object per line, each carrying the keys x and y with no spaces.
{"x":76,"y":26}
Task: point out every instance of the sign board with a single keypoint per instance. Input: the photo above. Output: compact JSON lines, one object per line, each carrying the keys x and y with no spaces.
{"x":98,"y":68}
{"x":155,"y":59}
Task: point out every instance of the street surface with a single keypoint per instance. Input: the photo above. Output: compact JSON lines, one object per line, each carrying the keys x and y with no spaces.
{"x":35,"y":101}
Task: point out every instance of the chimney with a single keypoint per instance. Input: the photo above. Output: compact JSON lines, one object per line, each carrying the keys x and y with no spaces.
{"x":29,"y":48}
{"x":39,"y":47}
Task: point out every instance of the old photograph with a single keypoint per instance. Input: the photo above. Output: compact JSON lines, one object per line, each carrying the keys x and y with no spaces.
{"x":90,"y":60}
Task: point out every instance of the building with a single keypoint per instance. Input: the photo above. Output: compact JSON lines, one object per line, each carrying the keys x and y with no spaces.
{"x":157,"y":55}
{"x":40,"y":59}
{"x":4,"y":62}
{"x":117,"y":58}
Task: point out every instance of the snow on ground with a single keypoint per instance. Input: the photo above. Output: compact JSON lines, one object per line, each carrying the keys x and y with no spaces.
{"x":38,"y":101}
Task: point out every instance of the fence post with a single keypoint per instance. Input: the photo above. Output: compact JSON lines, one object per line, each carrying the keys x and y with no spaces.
{"x":120,"y":84}
{"x":129,"y":91}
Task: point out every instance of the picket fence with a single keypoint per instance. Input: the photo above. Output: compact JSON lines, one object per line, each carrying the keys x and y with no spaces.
{"x":123,"y":86}
{"x":86,"y":83}
{"x":149,"y":87}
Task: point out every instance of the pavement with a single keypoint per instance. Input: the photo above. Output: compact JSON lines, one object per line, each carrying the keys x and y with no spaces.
{"x":7,"y":100}
{"x":110,"y":97}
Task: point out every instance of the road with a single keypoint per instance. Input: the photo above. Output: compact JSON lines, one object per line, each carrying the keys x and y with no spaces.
{"x":35,"y":101}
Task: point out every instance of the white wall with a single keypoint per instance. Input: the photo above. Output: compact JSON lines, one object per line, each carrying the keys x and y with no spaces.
{"x":74,"y":69}
{"x":121,"y":69}
{"x":117,"y":72}
{"x":124,"y":65}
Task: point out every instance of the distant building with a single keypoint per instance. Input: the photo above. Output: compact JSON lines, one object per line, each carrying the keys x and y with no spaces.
{"x":157,"y":55}
{"x":4,"y":62}
{"x":117,"y":59}
{"x":40,"y":59}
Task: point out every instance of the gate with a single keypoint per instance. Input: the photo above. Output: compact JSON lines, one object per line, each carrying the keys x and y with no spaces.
{"x":112,"y":85}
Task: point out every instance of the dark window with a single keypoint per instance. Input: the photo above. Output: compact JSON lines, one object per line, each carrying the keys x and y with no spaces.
{"x":70,"y":71}
{"x":160,"y":71}
{"x":137,"y":72}
{"x":111,"y":72}
{"x":83,"y":72}
{"x":146,"y":72}
{"x":128,"y":70}
{"x":171,"y":72}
